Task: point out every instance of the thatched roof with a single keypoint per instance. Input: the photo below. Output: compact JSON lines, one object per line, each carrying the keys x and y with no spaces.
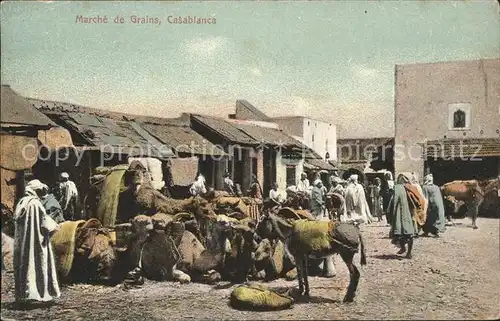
{"x":225,"y":129}
{"x":254,"y":135}
{"x":115,"y":136}
{"x":17,"y":110}
{"x":183,"y":139}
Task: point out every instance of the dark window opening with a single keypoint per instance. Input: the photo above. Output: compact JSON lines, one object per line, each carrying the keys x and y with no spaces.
{"x":290,"y":175}
{"x":229,"y":168}
{"x":459,"y":119}
{"x":254,"y":166}
{"x":313,"y":137}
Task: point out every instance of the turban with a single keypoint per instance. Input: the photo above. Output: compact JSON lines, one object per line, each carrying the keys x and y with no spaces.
{"x":36,"y":185}
{"x":428,"y":179}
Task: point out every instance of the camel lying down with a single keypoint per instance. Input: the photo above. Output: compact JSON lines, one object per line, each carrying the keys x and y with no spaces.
{"x":318,"y":239}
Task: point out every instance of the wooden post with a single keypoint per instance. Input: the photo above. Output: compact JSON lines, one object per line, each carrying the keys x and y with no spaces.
{"x":247,"y":169}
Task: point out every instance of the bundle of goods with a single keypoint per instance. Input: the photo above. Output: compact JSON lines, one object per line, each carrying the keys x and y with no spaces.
{"x":237,"y":207}
{"x":290,"y":213}
{"x":83,"y":251}
{"x":257,"y":297}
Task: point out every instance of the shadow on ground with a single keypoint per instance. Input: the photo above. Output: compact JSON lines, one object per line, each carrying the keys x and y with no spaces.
{"x":388,"y":257}
{"x":28,"y":306}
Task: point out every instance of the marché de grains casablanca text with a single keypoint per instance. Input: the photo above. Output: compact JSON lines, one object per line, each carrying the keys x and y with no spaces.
{"x":141,"y":20}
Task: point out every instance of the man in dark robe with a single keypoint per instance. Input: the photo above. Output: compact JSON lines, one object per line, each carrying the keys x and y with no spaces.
{"x":403,"y":206}
{"x":318,"y":200}
{"x":435,"y":222}
{"x":51,"y":205}
{"x":376,"y":199}
{"x":255,"y":189}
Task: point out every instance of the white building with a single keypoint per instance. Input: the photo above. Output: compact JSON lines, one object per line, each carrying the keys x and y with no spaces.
{"x":319,"y":135}
{"x":288,"y":168}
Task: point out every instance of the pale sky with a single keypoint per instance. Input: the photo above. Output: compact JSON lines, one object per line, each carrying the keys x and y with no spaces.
{"x":329,"y":60}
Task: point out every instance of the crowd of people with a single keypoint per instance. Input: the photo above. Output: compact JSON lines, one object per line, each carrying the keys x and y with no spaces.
{"x":409,"y":208}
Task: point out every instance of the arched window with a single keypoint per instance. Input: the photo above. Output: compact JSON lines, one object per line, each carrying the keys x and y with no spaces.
{"x":459,"y":119}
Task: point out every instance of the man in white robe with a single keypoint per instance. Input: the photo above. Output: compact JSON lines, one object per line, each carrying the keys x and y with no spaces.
{"x":303,"y":184}
{"x":229,"y":184}
{"x":356,"y":204}
{"x":68,"y":197}
{"x":275,"y":196}
{"x":198,"y":187}
{"x":34,"y":266}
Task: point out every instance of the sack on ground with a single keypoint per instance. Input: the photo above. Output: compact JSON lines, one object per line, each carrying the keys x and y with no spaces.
{"x":257,"y":297}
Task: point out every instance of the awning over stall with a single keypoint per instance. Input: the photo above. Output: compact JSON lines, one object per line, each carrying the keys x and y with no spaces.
{"x":113,"y":136}
{"x":318,"y":164}
{"x":462,"y":148}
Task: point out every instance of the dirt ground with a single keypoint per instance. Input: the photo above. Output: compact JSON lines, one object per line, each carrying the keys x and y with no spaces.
{"x":456,"y":276}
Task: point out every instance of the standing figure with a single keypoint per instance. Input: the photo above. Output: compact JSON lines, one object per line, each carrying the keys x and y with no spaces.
{"x":356,"y":204}
{"x":402,"y":206}
{"x":34,"y":266}
{"x":228,"y":184}
{"x":336,"y":187}
{"x":387,"y":193}
{"x":255,"y":189}
{"x":334,"y":176}
{"x":168,"y":177}
{"x":198,"y":188}
{"x":303,"y":184}
{"x":420,"y":215}
{"x":275,"y":197}
{"x":435,"y":222}
{"x":51,"y":205}
{"x":318,"y":206}
{"x":67,"y":197}
{"x":376,"y":199}
{"x":303,"y":191}
{"x":318,"y":200}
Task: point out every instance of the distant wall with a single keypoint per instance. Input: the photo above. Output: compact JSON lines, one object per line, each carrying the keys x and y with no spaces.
{"x":423,"y":94}
{"x":292,"y":126}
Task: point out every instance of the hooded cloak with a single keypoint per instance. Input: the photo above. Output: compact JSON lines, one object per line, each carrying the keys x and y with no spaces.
{"x":402,"y":224}
{"x":435,"y":221}
{"x":34,"y":266}
{"x":355,"y":201}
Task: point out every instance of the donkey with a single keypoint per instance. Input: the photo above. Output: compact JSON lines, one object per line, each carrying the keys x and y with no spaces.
{"x":316,"y":240}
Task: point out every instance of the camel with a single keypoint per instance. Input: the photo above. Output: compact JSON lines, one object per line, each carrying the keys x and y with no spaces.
{"x":471,"y":193}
